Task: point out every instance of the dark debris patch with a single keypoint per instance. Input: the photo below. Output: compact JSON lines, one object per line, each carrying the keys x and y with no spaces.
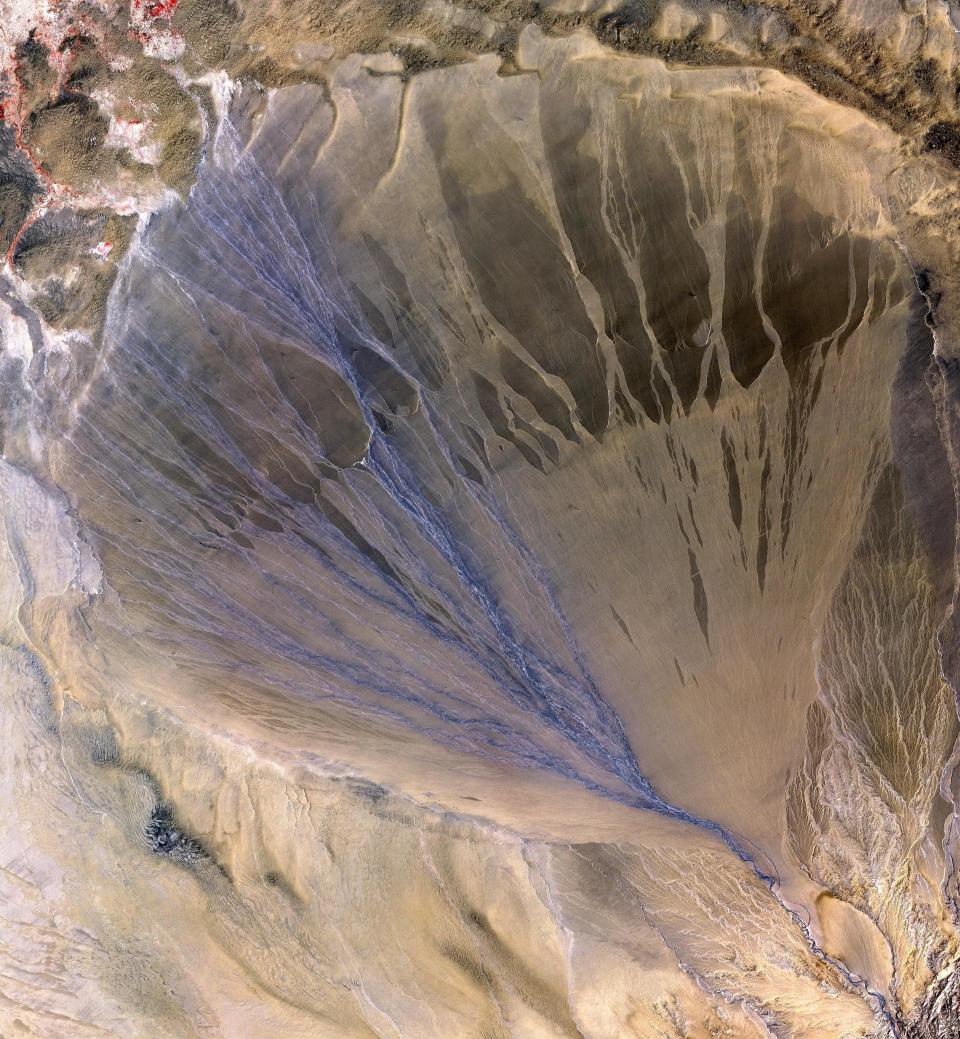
{"x":166,"y":837}
{"x":944,"y":137}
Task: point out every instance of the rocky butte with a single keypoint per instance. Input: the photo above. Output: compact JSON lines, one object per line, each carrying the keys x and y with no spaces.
{"x":478,"y":519}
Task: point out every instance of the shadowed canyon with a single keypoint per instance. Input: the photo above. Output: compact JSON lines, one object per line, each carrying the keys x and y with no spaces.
{"x":478,"y":508}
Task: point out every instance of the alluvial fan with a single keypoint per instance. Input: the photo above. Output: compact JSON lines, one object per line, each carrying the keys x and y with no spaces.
{"x":478,"y":494}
